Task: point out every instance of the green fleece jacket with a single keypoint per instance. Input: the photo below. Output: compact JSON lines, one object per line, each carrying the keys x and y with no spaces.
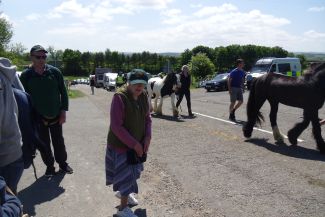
{"x":48,"y":93}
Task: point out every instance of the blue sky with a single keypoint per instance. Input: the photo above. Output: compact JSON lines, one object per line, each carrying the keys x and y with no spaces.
{"x":166,"y":25}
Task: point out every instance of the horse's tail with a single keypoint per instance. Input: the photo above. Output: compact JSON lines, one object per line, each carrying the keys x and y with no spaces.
{"x":251,"y":106}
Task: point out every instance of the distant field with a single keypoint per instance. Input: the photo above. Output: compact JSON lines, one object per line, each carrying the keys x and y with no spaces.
{"x":313,"y":56}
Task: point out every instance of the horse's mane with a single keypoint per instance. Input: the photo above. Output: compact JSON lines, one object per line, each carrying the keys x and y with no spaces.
{"x":318,"y":69}
{"x":167,"y":76}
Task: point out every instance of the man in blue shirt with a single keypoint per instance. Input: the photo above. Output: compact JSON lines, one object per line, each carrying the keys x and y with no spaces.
{"x":235,"y":87}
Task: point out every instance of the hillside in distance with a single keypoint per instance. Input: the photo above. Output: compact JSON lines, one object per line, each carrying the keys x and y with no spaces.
{"x":312,"y":56}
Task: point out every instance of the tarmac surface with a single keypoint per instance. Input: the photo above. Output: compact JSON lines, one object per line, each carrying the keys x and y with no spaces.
{"x":200,"y":166}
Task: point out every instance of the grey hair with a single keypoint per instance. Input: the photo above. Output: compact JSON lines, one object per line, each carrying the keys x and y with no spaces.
{"x":185,"y":67}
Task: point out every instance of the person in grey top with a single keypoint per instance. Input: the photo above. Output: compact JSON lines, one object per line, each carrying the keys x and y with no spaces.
{"x":11,"y":161}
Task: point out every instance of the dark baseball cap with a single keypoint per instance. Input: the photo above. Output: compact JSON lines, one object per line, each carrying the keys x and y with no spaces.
{"x":137,"y":77}
{"x":37,"y":48}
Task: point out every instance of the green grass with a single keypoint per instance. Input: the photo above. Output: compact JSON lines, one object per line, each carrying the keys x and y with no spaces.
{"x":75,"y":94}
{"x":70,"y":78}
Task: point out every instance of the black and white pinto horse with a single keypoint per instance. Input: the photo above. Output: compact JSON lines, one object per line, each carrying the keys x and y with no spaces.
{"x":163,"y":87}
{"x":306,"y":92}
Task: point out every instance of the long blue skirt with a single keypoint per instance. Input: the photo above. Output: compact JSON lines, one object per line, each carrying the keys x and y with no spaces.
{"x":120,"y":174}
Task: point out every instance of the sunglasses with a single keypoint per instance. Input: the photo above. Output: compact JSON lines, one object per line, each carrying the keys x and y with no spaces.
{"x":40,"y":57}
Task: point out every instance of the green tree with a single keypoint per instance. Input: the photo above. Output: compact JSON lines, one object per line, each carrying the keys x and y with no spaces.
{"x":204,"y":49}
{"x":99,"y":59}
{"x":86,"y":63}
{"x":303,"y":61}
{"x":71,"y":62}
{"x":17,"y":49}
{"x":201,"y":66}
{"x":5,"y":33}
{"x":185,"y":57}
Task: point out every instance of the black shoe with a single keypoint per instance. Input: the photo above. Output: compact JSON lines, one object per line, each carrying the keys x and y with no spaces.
{"x":50,"y":171}
{"x":66,"y":169}
{"x":191,"y":115}
{"x":232,"y":117}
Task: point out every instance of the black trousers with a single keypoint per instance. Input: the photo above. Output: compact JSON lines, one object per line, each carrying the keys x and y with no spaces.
{"x":187,"y":94}
{"x":52,"y":133}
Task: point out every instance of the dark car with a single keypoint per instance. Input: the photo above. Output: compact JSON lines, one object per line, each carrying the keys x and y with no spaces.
{"x":219,"y":82}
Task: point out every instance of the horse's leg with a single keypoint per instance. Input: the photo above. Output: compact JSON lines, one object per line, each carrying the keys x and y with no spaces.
{"x":159,"y":109}
{"x":318,"y":133}
{"x":273,"y":116}
{"x":295,"y":132}
{"x":155,"y":104}
{"x":172,"y":100}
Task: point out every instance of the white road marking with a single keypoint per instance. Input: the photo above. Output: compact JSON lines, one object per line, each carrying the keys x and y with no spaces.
{"x":233,"y":123}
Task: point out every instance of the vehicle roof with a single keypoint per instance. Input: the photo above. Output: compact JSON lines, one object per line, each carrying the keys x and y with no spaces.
{"x":269,"y":60}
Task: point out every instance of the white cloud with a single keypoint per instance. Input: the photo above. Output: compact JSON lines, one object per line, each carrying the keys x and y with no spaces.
{"x":86,"y":13}
{"x":216,"y":26}
{"x":196,"y":5}
{"x":208,"y":11}
{"x":94,"y":30}
{"x":316,"y":9}
{"x":4,"y":16}
{"x":173,"y":16}
{"x":156,"y":4}
{"x":312,"y":34}
{"x":33,"y":16}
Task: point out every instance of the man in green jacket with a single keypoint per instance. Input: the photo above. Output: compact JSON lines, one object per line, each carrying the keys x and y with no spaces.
{"x":45,"y":84}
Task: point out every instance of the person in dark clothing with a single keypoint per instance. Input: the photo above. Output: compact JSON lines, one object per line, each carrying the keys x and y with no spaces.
{"x":45,"y":84}
{"x":10,"y":206}
{"x":185,"y":89}
{"x":92,"y":84}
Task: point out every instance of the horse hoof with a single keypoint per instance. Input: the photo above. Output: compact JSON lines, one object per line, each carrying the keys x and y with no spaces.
{"x":292,"y":139}
{"x":246,"y":132}
{"x":321,"y":148}
{"x":175,"y":113}
{"x":279,"y":139}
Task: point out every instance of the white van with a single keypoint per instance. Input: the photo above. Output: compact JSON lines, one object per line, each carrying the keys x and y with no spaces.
{"x":289,"y":66}
{"x":109,"y":81}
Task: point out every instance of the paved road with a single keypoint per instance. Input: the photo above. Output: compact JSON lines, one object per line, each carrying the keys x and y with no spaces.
{"x":196,"y":167}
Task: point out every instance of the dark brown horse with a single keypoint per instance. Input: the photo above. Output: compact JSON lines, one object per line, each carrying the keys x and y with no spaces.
{"x":306,"y":92}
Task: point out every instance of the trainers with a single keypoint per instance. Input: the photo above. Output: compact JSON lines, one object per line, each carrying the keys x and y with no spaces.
{"x":131,"y":199}
{"x":50,"y":171}
{"x":191,"y":115}
{"x":66,"y":169}
{"x":126,"y":212}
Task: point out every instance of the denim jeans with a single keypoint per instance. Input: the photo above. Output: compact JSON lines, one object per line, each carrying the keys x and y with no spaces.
{"x":12,"y":173}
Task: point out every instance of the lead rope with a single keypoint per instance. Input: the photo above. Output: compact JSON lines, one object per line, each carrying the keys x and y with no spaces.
{"x":34,"y":168}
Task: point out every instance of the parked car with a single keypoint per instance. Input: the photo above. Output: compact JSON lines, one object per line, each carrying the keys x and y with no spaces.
{"x":218,"y":83}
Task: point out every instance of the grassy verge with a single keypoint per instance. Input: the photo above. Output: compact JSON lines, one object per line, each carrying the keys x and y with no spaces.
{"x":75,"y":94}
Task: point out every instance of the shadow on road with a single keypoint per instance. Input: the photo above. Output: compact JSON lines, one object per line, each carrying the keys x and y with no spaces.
{"x":291,"y":151}
{"x":139,"y":212}
{"x":168,"y":118}
{"x":42,"y":190}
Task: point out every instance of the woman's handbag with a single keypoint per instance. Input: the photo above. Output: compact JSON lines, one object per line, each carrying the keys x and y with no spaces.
{"x":133,"y":158}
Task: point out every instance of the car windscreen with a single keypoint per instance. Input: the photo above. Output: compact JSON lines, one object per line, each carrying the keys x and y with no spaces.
{"x":220,"y":77}
{"x":260,"y":68}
